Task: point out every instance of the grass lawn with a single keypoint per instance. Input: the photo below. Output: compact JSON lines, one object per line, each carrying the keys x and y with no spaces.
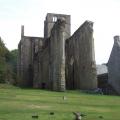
{"x":21,"y":104}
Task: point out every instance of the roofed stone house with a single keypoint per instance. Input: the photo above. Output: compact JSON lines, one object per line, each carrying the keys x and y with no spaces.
{"x":102,"y":76}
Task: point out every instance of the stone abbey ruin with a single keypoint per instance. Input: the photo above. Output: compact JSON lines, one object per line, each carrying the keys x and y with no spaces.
{"x":58,"y":61}
{"x":61,"y":61}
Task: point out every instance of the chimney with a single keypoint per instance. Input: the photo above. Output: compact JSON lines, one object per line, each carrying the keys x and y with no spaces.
{"x":22,"y":31}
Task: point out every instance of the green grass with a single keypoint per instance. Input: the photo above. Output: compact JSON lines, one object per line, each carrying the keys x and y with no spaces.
{"x":21,"y":104}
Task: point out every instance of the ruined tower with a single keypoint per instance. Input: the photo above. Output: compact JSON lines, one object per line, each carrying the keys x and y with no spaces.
{"x":50,"y":20}
{"x":57,"y":29}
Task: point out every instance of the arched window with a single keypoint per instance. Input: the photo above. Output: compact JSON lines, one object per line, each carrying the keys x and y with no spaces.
{"x":54,"y":19}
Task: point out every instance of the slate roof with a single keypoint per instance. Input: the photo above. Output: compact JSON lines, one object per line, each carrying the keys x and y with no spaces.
{"x":102,"y":69}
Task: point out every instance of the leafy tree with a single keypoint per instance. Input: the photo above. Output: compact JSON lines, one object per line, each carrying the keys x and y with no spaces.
{"x":8,"y":64}
{"x":3,"y":65}
{"x":12,"y":61}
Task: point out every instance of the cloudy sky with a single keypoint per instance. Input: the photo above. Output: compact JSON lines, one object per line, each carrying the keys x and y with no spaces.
{"x":31,"y":13}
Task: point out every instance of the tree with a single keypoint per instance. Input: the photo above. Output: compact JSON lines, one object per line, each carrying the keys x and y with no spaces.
{"x":3,"y":52}
{"x":8,"y":64}
{"x":12,"y":61}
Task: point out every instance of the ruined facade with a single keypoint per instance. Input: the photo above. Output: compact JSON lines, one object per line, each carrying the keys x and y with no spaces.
{"x":114,"y":65}
{"x":59,"y":60}
{"x":80,"y":59}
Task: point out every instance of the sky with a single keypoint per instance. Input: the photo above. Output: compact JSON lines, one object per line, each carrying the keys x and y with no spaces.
{"x":31,"y":13}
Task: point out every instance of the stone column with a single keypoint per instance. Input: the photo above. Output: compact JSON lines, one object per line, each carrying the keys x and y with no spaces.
{"x":57,"y":56}
{"x":62,"y":72}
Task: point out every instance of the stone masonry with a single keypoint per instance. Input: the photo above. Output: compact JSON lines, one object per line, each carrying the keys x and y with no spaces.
{"x":58,"y":61}
{"x":80,"y":59}
{"x":114,"y":65}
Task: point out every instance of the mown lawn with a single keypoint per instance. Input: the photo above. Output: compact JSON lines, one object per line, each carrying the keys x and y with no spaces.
{"x":21,"y":104}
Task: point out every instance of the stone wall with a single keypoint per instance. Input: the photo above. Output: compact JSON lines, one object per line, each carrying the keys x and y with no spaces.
{"x":38,"y":43}
{"x":25,"y":62}
{"x":80,"y":59}
{"x":114,"y":65}
{"x":27,"y":49}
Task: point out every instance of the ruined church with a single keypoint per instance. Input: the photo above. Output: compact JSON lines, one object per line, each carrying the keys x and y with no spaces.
{"x":59,"y":60}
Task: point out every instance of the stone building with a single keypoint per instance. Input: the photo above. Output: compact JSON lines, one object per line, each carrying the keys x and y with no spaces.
{"x":59,"y":60}
{"x":114,"y":65}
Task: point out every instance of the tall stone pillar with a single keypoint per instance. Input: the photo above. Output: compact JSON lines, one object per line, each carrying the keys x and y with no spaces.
{"x":62,"y":71}
{"x":57,"y":56}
